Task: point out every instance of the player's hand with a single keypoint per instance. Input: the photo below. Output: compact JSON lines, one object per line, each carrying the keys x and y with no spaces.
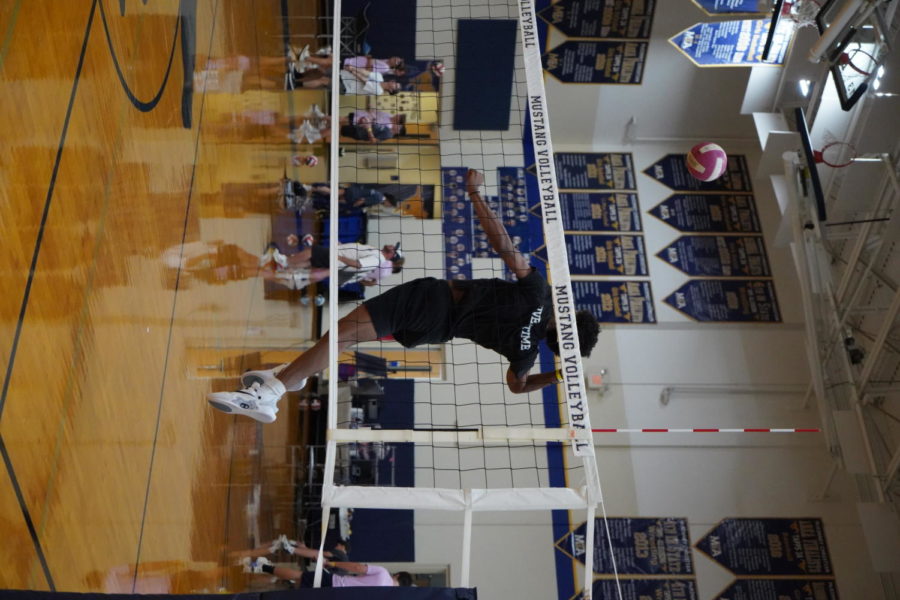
{"x":474,"y":181}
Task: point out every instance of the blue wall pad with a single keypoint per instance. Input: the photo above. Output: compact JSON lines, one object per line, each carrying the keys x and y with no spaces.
{"x":485,"y":60}
{"x":392,"y":26}
{"x":389,"y":535}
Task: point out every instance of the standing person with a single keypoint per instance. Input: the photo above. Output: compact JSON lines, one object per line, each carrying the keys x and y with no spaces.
{"x":354,"y":81}
{"x":352,"y":198}
{"x":358,"y":262}
{"x":363,"y":82}
{"x":508,"y":317}
{"x":393,"y":65}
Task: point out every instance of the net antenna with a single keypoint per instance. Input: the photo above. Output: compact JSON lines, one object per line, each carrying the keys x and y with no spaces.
{"x":476,"y":447}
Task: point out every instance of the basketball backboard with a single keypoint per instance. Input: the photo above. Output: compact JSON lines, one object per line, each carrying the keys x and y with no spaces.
{"x":855,"y":45}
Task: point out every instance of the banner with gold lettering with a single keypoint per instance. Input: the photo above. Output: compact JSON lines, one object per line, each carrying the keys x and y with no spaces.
{"x":640,"y":546}
{"x":769,"y":547}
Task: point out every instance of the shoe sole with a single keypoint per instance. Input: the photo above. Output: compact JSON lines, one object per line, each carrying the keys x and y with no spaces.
{"x":227,"y":408}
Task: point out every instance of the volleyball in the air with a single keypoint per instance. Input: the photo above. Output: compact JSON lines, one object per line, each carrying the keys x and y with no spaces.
{"x":309,"y":161}
{"x":706,"y":161}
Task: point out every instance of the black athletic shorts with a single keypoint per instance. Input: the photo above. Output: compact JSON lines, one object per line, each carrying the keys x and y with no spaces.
{"x":309,"y":577}
{"x":318,"y":257}
{"x":416,"y":312}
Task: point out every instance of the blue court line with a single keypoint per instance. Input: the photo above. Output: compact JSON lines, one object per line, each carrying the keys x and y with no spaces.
{"x":162,"y":386}
{"x":27,"y":294}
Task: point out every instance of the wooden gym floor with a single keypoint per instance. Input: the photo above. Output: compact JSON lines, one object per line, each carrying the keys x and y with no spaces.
{"x":116,"y":475}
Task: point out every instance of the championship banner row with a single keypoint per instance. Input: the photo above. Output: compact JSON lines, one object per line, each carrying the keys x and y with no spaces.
{"x":622,"y":62}
{"x":738,"y":257}
{"x":786,"y":558}
{"x":615,"y":171}
{"x":613,"y":38}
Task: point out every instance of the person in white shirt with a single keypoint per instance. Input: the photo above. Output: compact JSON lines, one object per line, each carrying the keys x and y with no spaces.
{"x":362,"y":82}
{"x":356,"y":81}
{"x":360,"y":263}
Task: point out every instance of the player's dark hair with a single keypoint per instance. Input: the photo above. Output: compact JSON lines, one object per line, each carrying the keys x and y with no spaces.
{"x":390,"y":199}
{"x":404,"y":579}
{"x":398,"y":264}
{"x":588,"y":332}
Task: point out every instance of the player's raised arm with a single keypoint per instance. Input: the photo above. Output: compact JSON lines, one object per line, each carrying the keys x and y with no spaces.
{"x":494,"y":228}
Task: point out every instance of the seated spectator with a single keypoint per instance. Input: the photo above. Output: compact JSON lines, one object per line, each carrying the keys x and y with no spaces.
{"x":373,"y":125}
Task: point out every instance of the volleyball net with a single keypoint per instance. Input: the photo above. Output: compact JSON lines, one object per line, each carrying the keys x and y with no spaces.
{"x":435,"y":427}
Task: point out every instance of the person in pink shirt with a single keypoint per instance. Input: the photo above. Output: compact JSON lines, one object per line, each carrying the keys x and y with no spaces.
{"x":362,"y":575}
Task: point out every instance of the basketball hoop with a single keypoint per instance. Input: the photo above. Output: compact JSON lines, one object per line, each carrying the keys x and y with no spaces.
{"x":835,"y":154}
{"x":849,"y":56}
{"x":802,"y":12}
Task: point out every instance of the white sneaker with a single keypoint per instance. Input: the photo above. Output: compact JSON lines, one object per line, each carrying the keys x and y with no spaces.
{"x":257,"y":401}
{"x":283,"y":543}
{"x":262,"y":376}
{"x":280,"y":259}
{"x":315,"y":111}
{"x":303,"y":55}
{"x":307,"y":130}
{"x":254,"y":565}
{"x":267,"y":256}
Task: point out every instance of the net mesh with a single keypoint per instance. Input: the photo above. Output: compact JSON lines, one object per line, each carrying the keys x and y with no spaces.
{"x":436,"y":426}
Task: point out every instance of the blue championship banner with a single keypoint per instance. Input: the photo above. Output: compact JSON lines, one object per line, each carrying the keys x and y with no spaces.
{"x":769,"y":547}
{"x":643,"y":589}
{"x":456,"y":224}
{"x":790,"y":589}
{"x":718,"y":255}
{"x":671,"y":171}
{"x":709,"y":213}
{"x":640,"y":546}
{"x":734,"y":7}
{"x":594,"y":170}
{"x":622,"y":19}
{"x":596,"y":211}
{"x":604,"y":254}
{"x":601,"y":61}
{"x":727,"y":301}
{"x":734,"y":43}
{"x":616,"y":301}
